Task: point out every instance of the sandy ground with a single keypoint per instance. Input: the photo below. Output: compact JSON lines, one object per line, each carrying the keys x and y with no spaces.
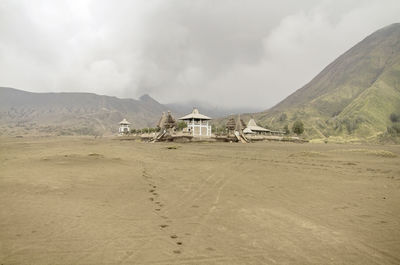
{"x":106,"y":201}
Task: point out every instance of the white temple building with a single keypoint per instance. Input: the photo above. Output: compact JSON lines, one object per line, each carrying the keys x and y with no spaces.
{"x":197,"y":124}
{"x":124,"y":127}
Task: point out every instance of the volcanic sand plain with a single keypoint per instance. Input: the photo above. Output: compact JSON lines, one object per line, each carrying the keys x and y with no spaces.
{"x":76,"y":200}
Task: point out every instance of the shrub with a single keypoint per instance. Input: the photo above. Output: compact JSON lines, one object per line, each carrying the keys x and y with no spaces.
{"x":283,"y":117}
{"x":350,"y":125}
{"x":394,"y":129}
{"x":394,"y":117}
{"x":181,"y":125}
{"x":286,"y":129}
{"x":154,"y":130}
{"x":298,"y":127}
{"x":218,"y":129}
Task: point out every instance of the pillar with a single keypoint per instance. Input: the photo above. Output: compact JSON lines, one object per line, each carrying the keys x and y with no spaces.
{"x":201,"y":125}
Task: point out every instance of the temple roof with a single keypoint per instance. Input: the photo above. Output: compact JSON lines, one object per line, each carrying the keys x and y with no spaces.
{"x":252,"y":125}
{"x":124,"y":121}
{"x":247,"y":130}
{"x":195,"y":115}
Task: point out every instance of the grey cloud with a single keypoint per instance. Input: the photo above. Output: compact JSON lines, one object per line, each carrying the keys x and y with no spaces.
{"x":206,"y":39}
{"x":226,"y":52}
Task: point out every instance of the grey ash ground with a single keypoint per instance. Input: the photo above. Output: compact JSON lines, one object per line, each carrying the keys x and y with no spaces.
{"x":87,"y":201}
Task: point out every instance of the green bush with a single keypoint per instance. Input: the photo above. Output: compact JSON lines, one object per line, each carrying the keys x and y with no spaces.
{"x":283,"y":117}
{"x":181,"y":125}
{"x":217,"y":129}
{"x":286,"y":129}
{"x":350,"y":125}
{"x":298,"y":127}
{"x":394,"y":129}
{"x":394,"y":117}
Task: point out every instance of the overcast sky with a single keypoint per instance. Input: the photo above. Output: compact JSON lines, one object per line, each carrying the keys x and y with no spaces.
{"x":228,"y":52}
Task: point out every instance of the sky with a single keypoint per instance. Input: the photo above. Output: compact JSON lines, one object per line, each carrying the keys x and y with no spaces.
{"x":228,"y":53}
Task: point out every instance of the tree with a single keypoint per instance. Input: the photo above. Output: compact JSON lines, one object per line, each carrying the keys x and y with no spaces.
{"x":298,"y":127}
{"x":181,"y":125}
{"x":394,"y":129}
{"x":217,"y":129}
{"x":286,"y":129}
{"x":283,"y":117}
{"x":394,"y":117}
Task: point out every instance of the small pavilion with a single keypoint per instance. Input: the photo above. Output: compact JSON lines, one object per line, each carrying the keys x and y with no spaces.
{"x":124,"y":127}
{"x":197,"y":124}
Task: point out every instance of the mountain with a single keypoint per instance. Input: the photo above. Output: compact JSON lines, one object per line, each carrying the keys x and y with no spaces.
{"x":23,"y":112}
{"x":72,"y":113}
{"x":352,"y":97}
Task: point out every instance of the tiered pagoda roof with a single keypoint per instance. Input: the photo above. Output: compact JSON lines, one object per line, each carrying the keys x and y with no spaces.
{"x":195,"y":115}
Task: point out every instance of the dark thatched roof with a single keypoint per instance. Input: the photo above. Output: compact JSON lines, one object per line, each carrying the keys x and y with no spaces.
{"x":167,"y":121}
{"x":231,"y":124}
{"x":235,"y":124}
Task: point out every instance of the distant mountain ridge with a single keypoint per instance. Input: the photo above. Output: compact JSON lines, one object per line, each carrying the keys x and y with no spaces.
{"x":72,"y":113}
{"x":352,"y":97}
{"x":23,"y":112}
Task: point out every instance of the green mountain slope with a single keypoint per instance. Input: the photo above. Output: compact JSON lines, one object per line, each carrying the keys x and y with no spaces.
{"x":352,"y":97}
